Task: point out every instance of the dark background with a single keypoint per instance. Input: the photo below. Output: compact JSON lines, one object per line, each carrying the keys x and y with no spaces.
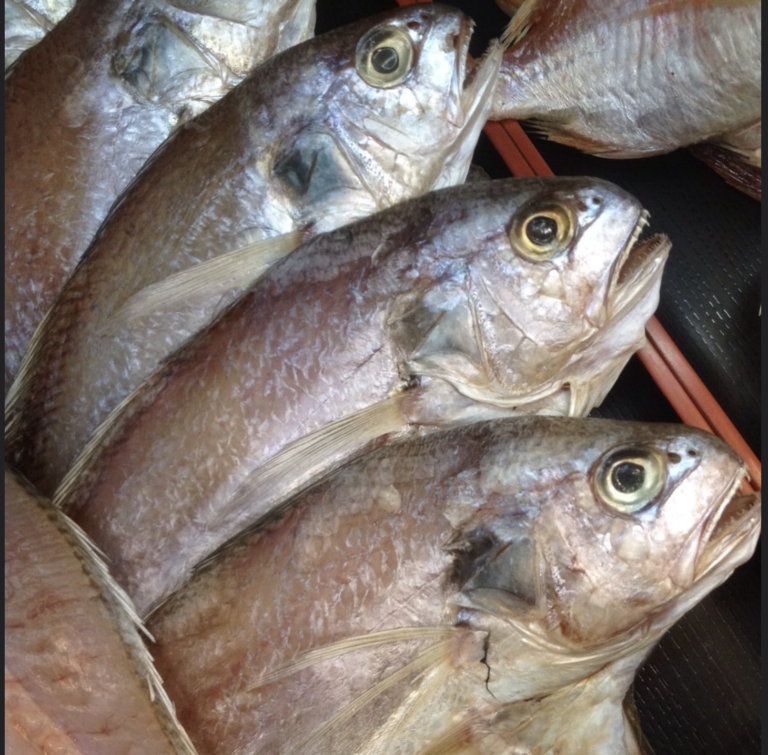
{"x":699,"y":692}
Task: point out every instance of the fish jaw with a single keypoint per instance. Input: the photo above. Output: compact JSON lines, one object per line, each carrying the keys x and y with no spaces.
{"x":729,"y":536}
{"x":557,"y":609}
{"x":632,"y":300}
{"x":475,"y":103}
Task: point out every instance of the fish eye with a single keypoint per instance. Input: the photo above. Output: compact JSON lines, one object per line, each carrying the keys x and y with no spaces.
{"x":629,"y":479}
{"x":384,"y":57}
{"x":543,"y":232}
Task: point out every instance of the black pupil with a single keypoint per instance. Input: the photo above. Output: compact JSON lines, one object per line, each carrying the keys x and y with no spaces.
{"x":385,"y":59}
{"x":628,"y":477}
{"x":541,"y":230}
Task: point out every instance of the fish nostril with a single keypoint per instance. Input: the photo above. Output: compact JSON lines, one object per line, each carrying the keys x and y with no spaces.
{"x":691,"y":452}
{"x":596,"y":200}
{"x":413,"y":25}
{"x":674,"y":458}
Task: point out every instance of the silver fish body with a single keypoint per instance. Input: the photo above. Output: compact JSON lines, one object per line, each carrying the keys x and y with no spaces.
{"x":435,"y":312}
{"x":304,"y":145}
{"x":78,"y":677}
{"x":88,"y":106}
{"x":489,"y":589}
{"x":633,"y":78}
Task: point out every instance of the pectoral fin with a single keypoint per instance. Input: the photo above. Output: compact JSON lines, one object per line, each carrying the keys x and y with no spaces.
{"x":237,"y":269}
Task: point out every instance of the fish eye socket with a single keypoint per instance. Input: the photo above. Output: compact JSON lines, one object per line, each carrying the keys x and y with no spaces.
{"x":541,"y":233}
{"x":384,"y":57}
{"x":630,"y":479}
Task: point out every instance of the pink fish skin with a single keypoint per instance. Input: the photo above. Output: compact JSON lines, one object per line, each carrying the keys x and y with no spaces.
{"x":71,"y":685}
{"x":281,"y":153}
{"x":629,"y":78}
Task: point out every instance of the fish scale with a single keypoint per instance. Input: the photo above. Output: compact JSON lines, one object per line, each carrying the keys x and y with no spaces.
{"x":385,"y":321}
{"x":88,"y":106}
{"x":89,"y":355}
{"x":450,"y":644}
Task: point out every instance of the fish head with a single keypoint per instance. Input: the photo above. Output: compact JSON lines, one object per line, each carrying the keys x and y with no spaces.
{"x":161,"y":65}
{"x":589,"y":551}
{"x":183,"y":56}
{"x":552,"y":300}
{"x":404,"y":108}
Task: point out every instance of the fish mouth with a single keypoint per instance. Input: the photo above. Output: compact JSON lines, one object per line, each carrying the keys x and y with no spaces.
{"x":637,"y":266}
{"x":466,"y":29}
{"x":732,"y":523}
{"x":475,"y":86}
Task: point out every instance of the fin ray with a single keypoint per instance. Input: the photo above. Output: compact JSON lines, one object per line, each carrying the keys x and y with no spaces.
{"x":349,"y":644}
{"x":428,"y":659}
{"x":342,"y":436}
{"x":237,"y":269}
{"x":520,"y":24}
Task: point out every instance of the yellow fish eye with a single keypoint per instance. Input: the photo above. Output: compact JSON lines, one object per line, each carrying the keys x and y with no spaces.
{"x":629,"y":479}
{"x":384,"y":57}
{"x":543,"y":232}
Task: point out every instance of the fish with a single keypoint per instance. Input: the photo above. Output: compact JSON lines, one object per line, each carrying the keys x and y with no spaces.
{"x":78,"y":677}
{"x":740,"y":168}
{"x":316,"y":137}
{"x":633,"y":78}
{"x":89,"y":105}
{"x":486,"y":589}
{"x":28,"y":21}
{"x":487,"y":299}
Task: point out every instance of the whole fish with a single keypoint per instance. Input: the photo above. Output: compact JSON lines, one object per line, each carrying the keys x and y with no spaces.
{"x":315,"y":138}
{"x":630,"y":78}
{"x":492,"y":298}
{"x":87,"y":106}
{"x":78,"y":678}
{"x":489,"y":589}
{"x":28,"y":21}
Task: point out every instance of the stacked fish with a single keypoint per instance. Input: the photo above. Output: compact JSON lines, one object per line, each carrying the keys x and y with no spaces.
{"x":287,"y":391}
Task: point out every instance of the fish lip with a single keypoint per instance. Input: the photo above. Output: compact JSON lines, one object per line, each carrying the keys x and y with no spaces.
{"x":466,"y":29}
{"x":730,"y":522}
{"x":480,"y":74}
{"x":472,"y":103}
{"x":637,"y":266}
{"x":456,"y":110}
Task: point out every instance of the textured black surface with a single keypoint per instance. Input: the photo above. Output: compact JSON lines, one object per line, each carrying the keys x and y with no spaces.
{"x":699,"y":692}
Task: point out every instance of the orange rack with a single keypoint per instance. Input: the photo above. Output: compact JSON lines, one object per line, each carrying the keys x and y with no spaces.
{"x":670,"y":370}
